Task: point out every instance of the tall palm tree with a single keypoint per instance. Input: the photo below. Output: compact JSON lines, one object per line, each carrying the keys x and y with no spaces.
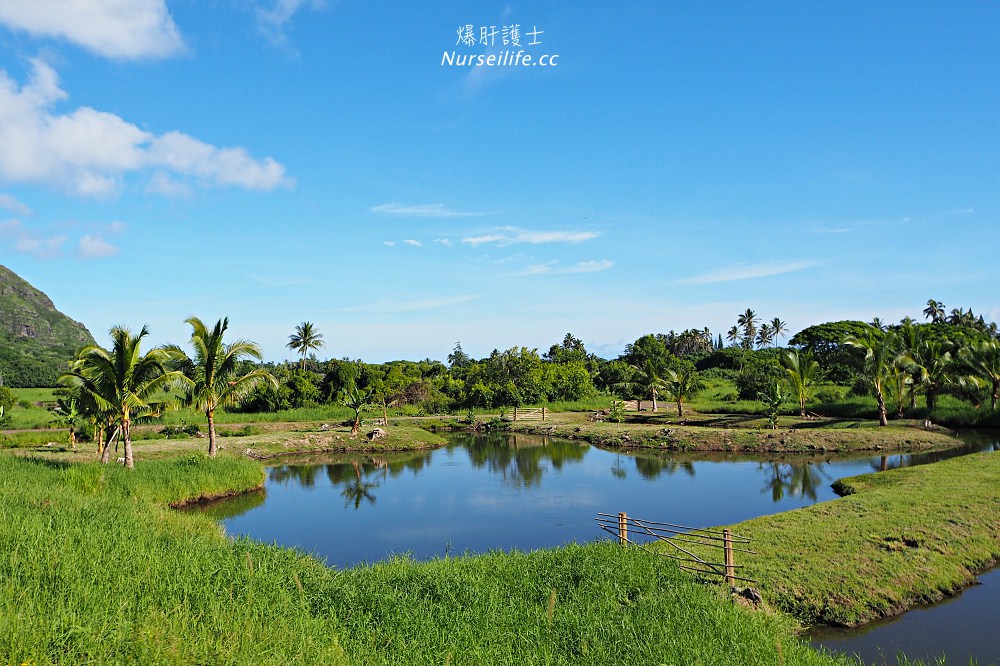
{"x":801,"y":370}
{"x":123,"y":382}
{"x":765,"y":335}
{"x":748,"y":322}
{"x":304,"y":340}
{"x":880,"y":351}
{"x":778,"y":328}
{"x":934,"y":311}
{"x":733,"y":335}
{"x":214,"y":371}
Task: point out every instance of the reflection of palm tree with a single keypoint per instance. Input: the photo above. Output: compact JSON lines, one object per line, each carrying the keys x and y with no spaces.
{"x":617,"y":470}
{"x":795,"y":479}
{"x":359,"y":490}
{"x":651,"y":466}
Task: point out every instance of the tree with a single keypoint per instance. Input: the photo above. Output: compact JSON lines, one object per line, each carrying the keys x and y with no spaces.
{"x":880,"y":353}
{"x":778,"y":328}
{"x":934,"y":311}
{"x":801,"y":370}
{"x":930,"y":365}
{"x":733,"y":335}
{"x":764,"y":336}
{"x":123,"y":382}
{"x":681,"y":384}
{"x":359,"y":400}
{"x":305,"y":339}
{"x":772,"y":398}
{"x":214,"y":372}
{"x":982,"y":360}
{"x":748,"y":321}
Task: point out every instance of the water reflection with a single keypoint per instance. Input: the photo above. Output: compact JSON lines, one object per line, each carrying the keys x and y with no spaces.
{"x":802,"y":479}
{"x":522,"y":460}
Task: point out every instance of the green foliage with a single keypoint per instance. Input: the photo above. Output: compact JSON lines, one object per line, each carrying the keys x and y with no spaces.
{"x":36,"y":340}
{"x":773,"y":398}
{"x":760,"y":373}
{"x":826,"y":343}
{"x":617,"y":412}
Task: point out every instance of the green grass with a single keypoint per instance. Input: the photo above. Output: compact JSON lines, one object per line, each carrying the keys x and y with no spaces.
{"x":901,"y":538}
{"x":94,"y":569}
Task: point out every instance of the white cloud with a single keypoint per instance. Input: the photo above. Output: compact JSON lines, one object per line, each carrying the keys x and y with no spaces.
{"x":512,"y":235}
{"x":425,"y":210}
{"x":124,"y":29}
{"x":13,"y":205}
{"x":274,"y":22}
{"x":389,"y":243}
{"x":25,"y":242}
{"x":88,"y":152}
{"x":552,"y":268}
{"x":414,"y":243}
{"x":410,"y":306}
{"x":95,"y":247}
{"x":161,"y":183}
{"x":444,"y":241}
{"x":747,"y":272}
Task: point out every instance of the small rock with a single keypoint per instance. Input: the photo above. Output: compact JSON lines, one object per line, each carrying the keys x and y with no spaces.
{"x":377,"y":433}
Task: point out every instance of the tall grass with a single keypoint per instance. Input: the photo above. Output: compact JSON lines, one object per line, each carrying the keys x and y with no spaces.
{"x":93,"y":569}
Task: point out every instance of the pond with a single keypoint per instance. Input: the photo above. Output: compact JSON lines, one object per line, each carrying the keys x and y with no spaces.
{"x":503,"y":491}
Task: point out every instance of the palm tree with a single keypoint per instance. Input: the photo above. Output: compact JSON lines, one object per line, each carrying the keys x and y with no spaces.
{"x":304,"y":340}
{"x":358,"y":400}
{"x":680,"y":384}
{"x":934,"y":311}
{"x":765,"y":335}
{"x":733,"y":335}
{"x":778,"y":328}
{"x":982,"y":359}
{"x":748,"y":322}
{"x":930,"y":365}
{"x":215,"y":371}
{"x":880,"y":352}
{"x":122,"y":381}
{"x":801,"y":369}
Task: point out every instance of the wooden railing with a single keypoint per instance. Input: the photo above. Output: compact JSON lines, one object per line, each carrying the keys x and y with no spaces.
{"x":622,"y":526}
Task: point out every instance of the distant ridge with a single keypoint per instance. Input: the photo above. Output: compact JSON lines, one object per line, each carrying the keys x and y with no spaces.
{"x":36,"y":340}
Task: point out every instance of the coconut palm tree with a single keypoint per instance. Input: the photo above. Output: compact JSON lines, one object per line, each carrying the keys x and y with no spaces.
{"x":123,"y":382}
{"x":214,"y":371}
{"x":982,"y":360}
{"x":934,"y":311}
{"x":801,"y":370}
{"x":748,"y":322}
{"x":930,"y":365}
{"x":765,"y":335}
{"x":358,"y":400}
{"x":733,"y":335}
{"x":880,"y":351}
{"x":681,"y":383}
{"x":305,"y":339}
{"x":778,"y":328}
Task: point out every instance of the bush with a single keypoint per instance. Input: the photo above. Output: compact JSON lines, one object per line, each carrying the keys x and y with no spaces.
{"x":179,"y":430}
{"x":829,"y":394}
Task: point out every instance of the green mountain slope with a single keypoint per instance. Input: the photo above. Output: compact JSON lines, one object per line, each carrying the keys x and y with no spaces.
{"x":36,"y":340}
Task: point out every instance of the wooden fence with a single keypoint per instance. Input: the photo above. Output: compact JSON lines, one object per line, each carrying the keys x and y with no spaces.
{"x":674,"y":535}
{"x":526,"y":414}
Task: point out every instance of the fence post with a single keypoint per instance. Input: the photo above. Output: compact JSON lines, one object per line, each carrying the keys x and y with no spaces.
{"x":515,"y":412}
{"x":727,"y":540}
{"x":543,"y":412}
{"x":622,"y":528}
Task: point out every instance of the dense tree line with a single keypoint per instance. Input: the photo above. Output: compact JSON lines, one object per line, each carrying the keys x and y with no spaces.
{"x":954,"y":354}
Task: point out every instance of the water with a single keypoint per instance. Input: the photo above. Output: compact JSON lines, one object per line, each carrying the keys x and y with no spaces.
{"x":961,"y":627}
{"x":501,"y":491}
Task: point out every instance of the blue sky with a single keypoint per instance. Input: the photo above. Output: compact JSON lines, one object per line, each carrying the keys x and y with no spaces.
{"x":277,"y":161}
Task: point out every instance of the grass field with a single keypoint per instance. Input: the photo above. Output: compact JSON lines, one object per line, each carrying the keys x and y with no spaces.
{"x":94,"y":569}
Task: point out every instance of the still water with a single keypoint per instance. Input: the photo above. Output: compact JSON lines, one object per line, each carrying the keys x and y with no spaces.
{"x":502,"y":491}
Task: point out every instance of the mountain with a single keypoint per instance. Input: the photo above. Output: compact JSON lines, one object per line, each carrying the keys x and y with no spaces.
{"x":36,"y":340}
